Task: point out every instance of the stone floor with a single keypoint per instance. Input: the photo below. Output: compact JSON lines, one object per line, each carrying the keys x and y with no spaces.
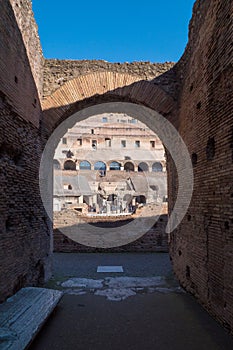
{"x":134,"y":264}
{"x":141,"y":308}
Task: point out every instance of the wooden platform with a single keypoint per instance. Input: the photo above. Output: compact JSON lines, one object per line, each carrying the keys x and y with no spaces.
{"x":23,"y":314}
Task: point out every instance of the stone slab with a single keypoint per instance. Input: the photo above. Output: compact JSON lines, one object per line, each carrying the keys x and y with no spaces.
{"x":110,"y":269}
{"x":23,"y":315}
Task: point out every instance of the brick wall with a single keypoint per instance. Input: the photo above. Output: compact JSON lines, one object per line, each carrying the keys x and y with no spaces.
{"x":58,"y":72}
{"x":29,"y":31}
{"x":24,"y":227}
{"x":17,"y":87}
{"x":155,"y":240}
{"x":202,"y":247}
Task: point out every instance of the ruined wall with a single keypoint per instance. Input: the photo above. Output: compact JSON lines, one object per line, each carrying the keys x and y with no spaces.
{"x":57,"y":72}
{"x":202,"y":247}
{"x":24,"y":228}
{"x":155,"y":240}
{"x":29,"y":31}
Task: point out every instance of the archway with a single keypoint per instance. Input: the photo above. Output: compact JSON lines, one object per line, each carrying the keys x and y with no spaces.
{"x":129,"y":167}
{"x":182,"y":74}
{"x":157,"y":167}
{"x":108,"y":92}
{"x":154,"y":121}
{"x":100,"y":166}
{"x":101,"y":87}
{"x":115,"y":166}
{"x":69,"y":165}
{"x":143,"y":167}
{"x":85,"y":165}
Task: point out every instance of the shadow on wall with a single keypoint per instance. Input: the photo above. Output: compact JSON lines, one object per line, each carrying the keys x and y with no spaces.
{"x":154,"y":240}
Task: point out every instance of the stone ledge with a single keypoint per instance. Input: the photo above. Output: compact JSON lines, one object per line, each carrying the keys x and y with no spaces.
{"x":23,"y":315}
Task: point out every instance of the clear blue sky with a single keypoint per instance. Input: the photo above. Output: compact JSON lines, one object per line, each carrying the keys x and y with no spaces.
{"x":115,"y":31}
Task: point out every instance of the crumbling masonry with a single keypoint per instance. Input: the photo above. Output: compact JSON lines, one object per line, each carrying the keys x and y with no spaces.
{"x":36,"y":95}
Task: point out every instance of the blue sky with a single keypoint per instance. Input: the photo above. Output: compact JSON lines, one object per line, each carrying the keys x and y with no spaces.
{"x":124,"y":30}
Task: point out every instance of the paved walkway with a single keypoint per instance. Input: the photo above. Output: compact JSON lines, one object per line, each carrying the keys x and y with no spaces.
{"x":134,"y":264}
{"x":153,"y":312}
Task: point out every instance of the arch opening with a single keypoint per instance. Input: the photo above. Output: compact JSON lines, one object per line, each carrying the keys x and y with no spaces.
{"x":143,"y":167}
{"x":115,"y":166}
{"x":129,"y":166}
{"x":69,"y":165}
{"x":141,"y":113}
{"x":100,"y":166}
{"x":85,"y":165}
{"x":157,"y":167}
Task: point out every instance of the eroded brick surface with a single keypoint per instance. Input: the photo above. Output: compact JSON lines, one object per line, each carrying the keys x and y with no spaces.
{"x":201,"y":83}
{"x":202,"y":246}
{"x":24,"y":226}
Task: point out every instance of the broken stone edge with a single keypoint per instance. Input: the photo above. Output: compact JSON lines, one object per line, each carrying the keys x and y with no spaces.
{"x":23,"y":315}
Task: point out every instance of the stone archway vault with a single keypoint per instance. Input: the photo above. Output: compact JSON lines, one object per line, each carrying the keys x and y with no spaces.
{"x":96,"y":88}
{"x":119,"y":93}
{"x":111,"y":86}
{"x":155,"y":121}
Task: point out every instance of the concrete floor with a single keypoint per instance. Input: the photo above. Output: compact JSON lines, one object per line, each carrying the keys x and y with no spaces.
{"x":144,"y":321}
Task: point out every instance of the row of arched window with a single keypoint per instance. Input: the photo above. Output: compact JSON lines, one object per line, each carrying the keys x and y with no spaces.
{"x":128,"y":166}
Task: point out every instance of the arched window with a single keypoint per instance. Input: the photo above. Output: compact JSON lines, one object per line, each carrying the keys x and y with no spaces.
{"x":157,"y":167}
{"x":100,"y":166}
{"x":85,"y":165}
{"x":69,"y":165}
{"x":115,"y":166}
{"x":129,"y":166}
{"x":56,"y":164}
{"x":143,"y":167}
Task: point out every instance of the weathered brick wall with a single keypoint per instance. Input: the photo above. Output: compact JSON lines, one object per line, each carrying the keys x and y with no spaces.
{"x":29,"y":31}
{"x":58,"y":72}
{"x":155,"y":240}
{"x":17,"y":84}
{"x":24,"y":228}
{"x":202,"y":247}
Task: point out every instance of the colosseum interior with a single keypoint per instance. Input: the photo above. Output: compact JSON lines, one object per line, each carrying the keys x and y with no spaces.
{"x":110,"y":168}
{"x":38,"y":96}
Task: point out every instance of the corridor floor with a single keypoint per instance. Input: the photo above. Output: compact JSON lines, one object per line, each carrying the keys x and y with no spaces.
{"x":140,"y":308}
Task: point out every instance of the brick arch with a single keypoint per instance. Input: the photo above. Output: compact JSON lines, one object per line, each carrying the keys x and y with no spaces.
{"x":85,"y":163}
{"x":131,"y":165}
{"x":157,"y":167}
{"x":69,"y":164}
{"x":115,"y":162}
{"x":143,"y":166}
{"x":100,"y":165}
{"x":99,"y":87}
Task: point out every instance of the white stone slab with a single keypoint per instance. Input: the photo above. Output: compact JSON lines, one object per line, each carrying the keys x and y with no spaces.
{"x":110,"y":269}
{"x":22,"y":316}
{"x":82,"y":283}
